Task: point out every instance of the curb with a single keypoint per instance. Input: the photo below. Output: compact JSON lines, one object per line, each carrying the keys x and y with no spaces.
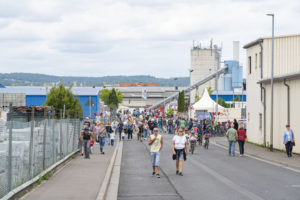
{"x":36,"y":178}
{"x":113,"y":188}
{"x":108,"y":175}
{"x":278,"y":164}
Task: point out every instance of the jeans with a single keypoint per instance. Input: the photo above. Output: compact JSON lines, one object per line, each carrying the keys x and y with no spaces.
{"x":289,"y":148}
{"x":241,"y":146}
{"x":160,"y":128}
{"x":129,"y":134}
{"x":231,"y":149}
{"x":102,"y":144}
{"x":155,"y":159}
{"x":108,"y":141}
{"x":170,"y":128}
{"x":112,"y":142}
{"x":145,"y":133}
{"x":120,"y":132}
{"x":86,"y":145}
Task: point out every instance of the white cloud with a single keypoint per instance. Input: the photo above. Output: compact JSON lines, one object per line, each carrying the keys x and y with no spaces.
{"x":104,"y":37}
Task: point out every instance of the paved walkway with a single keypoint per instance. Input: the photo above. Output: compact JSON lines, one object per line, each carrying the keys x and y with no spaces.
{"x":80,"y":179}
{"x":265,"y":154}
{"x":136,"y":181}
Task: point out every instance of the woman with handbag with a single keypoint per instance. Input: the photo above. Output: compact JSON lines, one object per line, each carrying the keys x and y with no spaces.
{"x":288,"y":140}
{"x":180,"y":150}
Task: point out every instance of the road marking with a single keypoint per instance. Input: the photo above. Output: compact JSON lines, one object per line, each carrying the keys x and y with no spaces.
{"x":227,"y":182}
{"x":262,"y":160}
{"x":296,"y":186}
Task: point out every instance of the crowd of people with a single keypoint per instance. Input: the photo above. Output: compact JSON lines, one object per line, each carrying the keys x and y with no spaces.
{"x":150,"y":127}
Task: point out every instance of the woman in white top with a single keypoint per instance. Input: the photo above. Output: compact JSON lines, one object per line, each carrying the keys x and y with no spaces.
{"x":179,"y":148}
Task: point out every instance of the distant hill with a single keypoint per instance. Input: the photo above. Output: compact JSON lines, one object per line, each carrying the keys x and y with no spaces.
{"x":30,"y":79}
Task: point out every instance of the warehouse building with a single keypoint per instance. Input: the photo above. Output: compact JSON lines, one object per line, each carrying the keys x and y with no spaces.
{"x":286,"y":89}
{"x":36,"y":96}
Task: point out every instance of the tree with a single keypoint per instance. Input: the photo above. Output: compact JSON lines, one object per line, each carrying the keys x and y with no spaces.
{"x":209,"y":90}
{"x":223,"y":103}
{"x":111,"y":98}
{"x":60,"y":97}
{"x":181,"y":102}
{"x":197,"y":98}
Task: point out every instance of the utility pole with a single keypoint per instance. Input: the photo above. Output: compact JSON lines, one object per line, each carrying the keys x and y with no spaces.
{"x":272,"y":85}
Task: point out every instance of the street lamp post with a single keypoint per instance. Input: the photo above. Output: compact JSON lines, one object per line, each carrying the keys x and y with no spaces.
{"x":272,"y":84}
{"x":190,"y":70}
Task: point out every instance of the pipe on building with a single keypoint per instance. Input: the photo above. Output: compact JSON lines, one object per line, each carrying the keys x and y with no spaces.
{"x":263,"y":89}
{"x":264,"y":103}
{"x":288,"y":101}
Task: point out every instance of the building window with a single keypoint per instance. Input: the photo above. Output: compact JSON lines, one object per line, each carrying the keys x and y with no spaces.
{"x":249,"y":65}
{"x":256,"y":61}
{"x":260,"y":121}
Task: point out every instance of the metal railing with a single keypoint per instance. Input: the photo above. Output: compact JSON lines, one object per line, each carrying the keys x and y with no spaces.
{"x":29,"y":148}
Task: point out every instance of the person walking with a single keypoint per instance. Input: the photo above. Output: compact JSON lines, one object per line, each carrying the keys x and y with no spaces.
{"x":120,"y":129}
{"x":170,"y":126}
{"x":232,"y":136}
{"x":130,"y":130}
{"x":109,"y":130}
{"x":288,"y":140}
{"x":156,"y":143}
{"x":101,"y":137}
{"x":241,"y":139}
{"x":180,"y":150}
{"x":235,"y":124}
{"x":145,"y":129}
{"x":86,"y":134}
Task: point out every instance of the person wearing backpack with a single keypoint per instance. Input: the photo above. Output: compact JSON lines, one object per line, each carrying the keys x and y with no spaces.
{"x":86,"y":134}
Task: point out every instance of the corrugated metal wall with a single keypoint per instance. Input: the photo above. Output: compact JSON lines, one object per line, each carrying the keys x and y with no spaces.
{"x":286,"y":55}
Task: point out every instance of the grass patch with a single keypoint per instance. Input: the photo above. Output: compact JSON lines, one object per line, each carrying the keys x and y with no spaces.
{"x":259,"y":145}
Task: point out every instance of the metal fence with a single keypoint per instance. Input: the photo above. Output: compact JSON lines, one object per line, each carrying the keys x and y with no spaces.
{"x":28,"y":148}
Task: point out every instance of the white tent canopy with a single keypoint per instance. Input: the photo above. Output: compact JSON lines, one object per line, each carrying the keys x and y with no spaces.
{"x":206,"y":103}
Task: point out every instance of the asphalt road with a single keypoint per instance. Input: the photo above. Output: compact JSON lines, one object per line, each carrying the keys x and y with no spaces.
{"x":208,"y":174}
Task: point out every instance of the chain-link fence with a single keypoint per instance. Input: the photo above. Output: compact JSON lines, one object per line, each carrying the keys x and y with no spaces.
{"x":28,"y":148}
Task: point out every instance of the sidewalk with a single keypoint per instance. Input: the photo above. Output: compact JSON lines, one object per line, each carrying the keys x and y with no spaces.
{"x":79,"y":179}
{"x":264,"y":153}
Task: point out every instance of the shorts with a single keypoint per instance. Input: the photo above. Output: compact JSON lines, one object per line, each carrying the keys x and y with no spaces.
{"x":179,"y":155}
{"x":155,"y":159}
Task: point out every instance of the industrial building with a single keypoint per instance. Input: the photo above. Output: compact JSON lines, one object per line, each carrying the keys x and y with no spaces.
{"x":286,"y":89}
{"x":36,"y":96}
{"x":204,"y":61}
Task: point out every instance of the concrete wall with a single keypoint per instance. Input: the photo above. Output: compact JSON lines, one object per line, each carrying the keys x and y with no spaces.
{"x":203,"y":62}
{"x":254,"y":104}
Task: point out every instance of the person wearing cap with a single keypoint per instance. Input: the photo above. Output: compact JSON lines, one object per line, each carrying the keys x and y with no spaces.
{"x":288,"y":140}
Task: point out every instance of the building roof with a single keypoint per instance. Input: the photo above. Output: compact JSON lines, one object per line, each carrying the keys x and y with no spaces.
{"x":36,"y":91}
{"x":255,"y":42}
{"x":223,"y":92}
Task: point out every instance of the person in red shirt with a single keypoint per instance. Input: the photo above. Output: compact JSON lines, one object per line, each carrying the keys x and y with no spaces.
{"x":241,"y":139}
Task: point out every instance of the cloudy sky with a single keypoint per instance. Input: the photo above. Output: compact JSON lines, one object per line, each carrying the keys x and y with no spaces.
{"x":130,"y":37}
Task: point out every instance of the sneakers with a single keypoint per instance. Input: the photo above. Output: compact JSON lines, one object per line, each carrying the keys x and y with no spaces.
{"x":177,"y":172}
{"x":153,"y":173}
{"x":157,"y":176}
{"x":180,"y":174}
